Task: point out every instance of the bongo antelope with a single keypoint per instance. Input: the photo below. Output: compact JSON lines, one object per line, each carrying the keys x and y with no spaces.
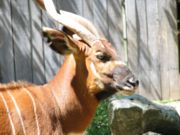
{"x":65,"y":105}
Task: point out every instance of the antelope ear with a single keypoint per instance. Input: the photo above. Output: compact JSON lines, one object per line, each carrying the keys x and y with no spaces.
{"x":58,"y":40}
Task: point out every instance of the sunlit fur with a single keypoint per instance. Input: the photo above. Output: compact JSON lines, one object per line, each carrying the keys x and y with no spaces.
{"x":66,"y":105}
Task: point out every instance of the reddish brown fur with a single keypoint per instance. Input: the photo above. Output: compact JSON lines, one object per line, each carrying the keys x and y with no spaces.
{"x":64,"y":105}
{"x":67,"y":103}
{"x":72,"y":111}
{"x":14,"y":85}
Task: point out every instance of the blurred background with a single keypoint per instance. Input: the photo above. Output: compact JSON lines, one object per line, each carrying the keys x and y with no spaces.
{"x":144,"y":32}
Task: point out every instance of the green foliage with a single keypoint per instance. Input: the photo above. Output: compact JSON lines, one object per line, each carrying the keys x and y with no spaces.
{"x":100,"y":123}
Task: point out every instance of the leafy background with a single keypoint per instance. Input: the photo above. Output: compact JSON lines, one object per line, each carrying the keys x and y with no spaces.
{"x":100,"y":123}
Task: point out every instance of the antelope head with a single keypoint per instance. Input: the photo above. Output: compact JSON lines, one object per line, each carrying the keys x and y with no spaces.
{"x":106,"y":74}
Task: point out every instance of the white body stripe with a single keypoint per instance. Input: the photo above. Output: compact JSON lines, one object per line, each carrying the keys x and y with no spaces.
{"x":18,"y":111}
{"x":8,"y":113}
{"x":35,"y":110}
{"x":93,"y":69}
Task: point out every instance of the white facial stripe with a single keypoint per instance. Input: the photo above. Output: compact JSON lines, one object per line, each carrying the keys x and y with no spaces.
{"x":120,"y":63}
{"x":98,"y":53}
{"x":8,"y":113}
{"x":93,"y":69}
{"x":35,"y":110}
{"x":18,"y":111}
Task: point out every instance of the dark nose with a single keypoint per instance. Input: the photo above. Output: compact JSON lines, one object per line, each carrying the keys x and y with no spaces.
{"x":133,"y":81}
{"x":124,"y":76}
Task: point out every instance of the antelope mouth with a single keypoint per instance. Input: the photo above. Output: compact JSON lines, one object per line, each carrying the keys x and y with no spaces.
{"x":126,"y":91}
{"x":126,"y":88}
{"x":129,"y":84}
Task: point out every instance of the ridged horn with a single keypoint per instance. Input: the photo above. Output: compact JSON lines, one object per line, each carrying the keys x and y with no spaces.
{"x":74,"y":26}
{"x":83,"y":21}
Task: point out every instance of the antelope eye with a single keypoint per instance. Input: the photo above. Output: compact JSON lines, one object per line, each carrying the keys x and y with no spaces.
{"x":103,"y":57}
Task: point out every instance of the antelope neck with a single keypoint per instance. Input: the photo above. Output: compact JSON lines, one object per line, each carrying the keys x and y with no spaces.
{"x":69,"y":88}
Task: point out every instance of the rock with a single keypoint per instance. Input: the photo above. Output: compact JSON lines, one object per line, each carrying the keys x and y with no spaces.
{"x":151,"y":133}
{"x":174,"y":104}
{"x":135,"y":115}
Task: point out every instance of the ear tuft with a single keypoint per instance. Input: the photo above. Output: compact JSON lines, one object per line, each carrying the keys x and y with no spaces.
{"x":60,"y":46}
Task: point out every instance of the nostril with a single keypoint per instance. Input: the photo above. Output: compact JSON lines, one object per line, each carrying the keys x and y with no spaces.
{"x":137,"y":82}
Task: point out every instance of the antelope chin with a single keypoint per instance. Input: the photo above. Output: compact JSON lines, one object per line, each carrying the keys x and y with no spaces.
{"x":126,"y":89}
{"x":126,"y":93}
